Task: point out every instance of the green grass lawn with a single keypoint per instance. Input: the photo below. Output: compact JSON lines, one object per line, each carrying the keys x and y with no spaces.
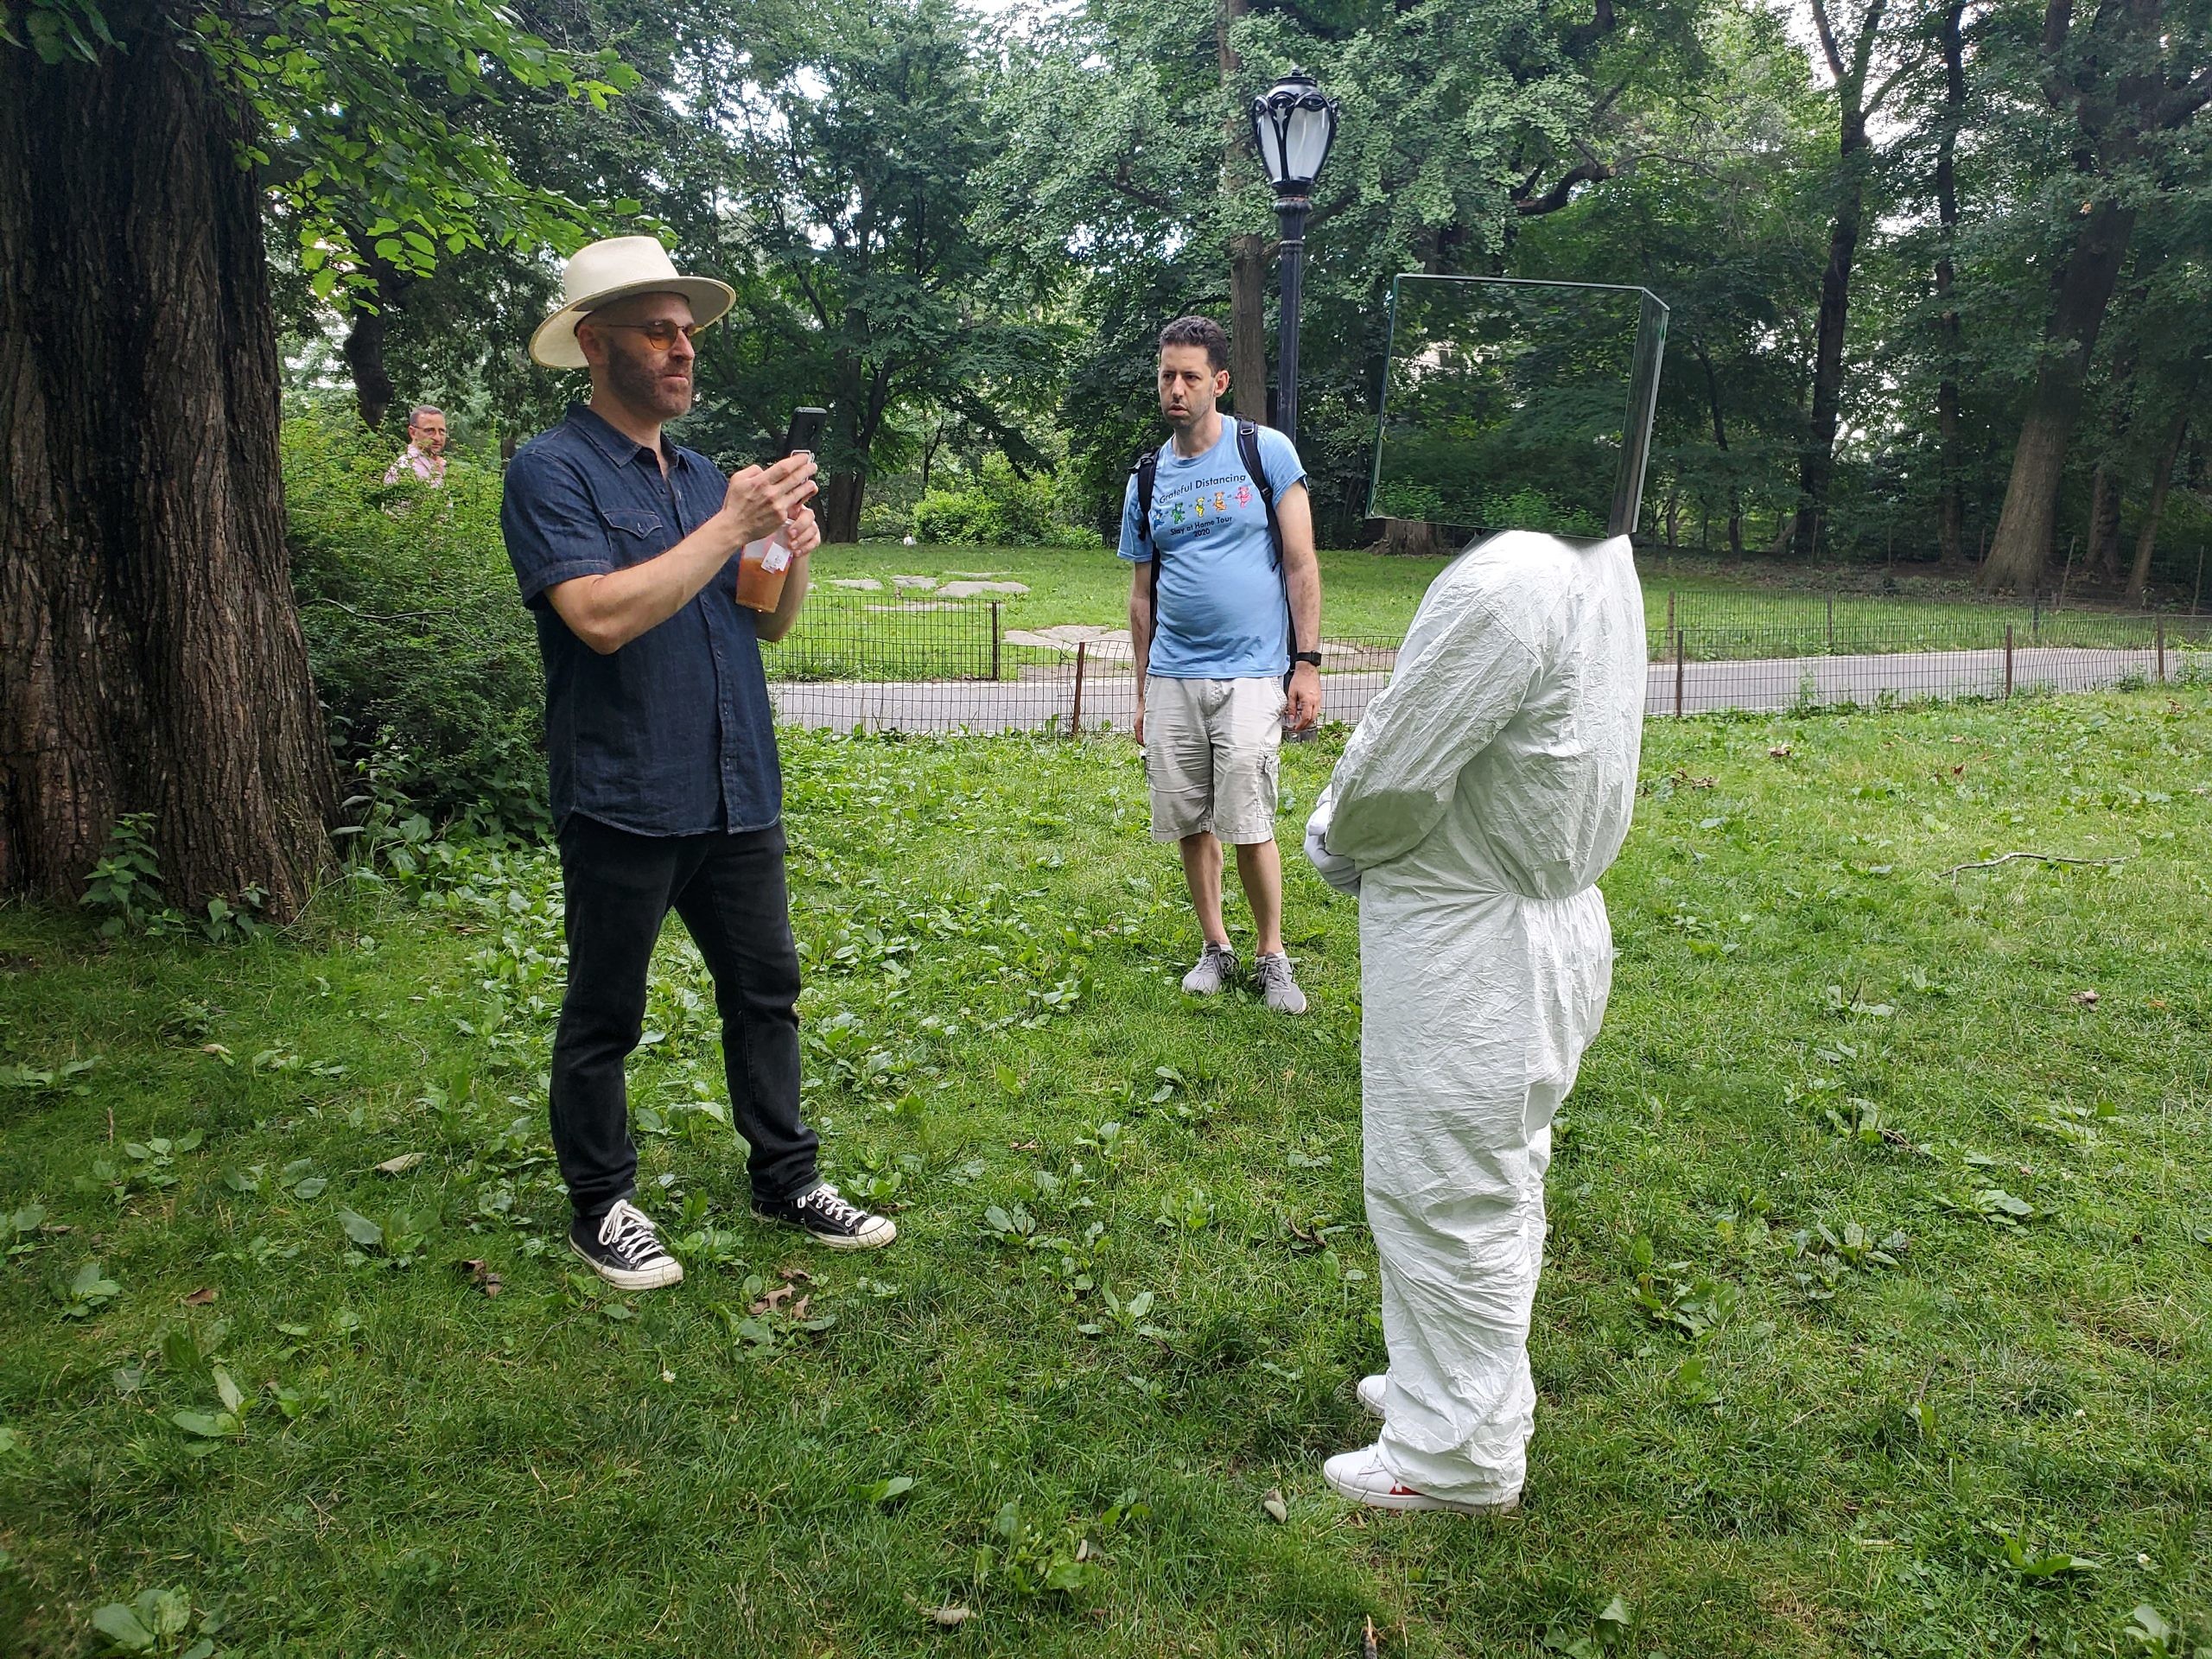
{"x":1877,"y":1289}
{"x":1372,"y":597}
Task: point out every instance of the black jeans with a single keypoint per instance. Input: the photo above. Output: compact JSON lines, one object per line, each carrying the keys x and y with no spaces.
{"x":617,"y":889}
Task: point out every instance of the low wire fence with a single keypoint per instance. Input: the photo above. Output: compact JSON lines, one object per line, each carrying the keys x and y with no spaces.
{"x":954,"y":666}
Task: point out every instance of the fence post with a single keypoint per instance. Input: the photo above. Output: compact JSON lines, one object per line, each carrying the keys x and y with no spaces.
{"x":1074,"y":719}
{"x":1670,"y":601}
{"x":1831,"y":625}
{"x":2035,"y":618}
{"x":2161,"y":636}
{"x":995,"y":639}
{"x":1678,"y":673}
{"x":2008,"y":659}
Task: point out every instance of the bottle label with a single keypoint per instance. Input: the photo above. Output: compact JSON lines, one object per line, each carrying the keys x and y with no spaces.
{"x":775,"y":559}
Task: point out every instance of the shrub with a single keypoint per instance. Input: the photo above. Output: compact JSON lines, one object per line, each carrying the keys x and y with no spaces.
{"x":954,"y":516}
{"x":998,"y":508}
{"x":418,"y":642}
{"x":884,"y":521}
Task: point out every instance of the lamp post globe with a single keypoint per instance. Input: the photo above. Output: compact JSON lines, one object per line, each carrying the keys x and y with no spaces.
{"x":1293,"y":125}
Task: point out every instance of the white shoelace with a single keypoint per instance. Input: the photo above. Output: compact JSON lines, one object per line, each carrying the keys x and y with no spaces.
{"x":833,"y":1204}
{"x":630,"y":1231}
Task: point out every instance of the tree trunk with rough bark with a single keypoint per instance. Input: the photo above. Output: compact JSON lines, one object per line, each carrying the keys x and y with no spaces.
{"x":2081,"y":289}
{"x":839,"y":508}
{"x":1248,"y":254}
{"x":2128,"y":83}
{"x":150,"y":652}
{"x":364,"y":345}
{"x":1816,"y":467}
{"x":858,"y":400}
{"x":1415,"y":538}
{"x":1950,"y":463}
{"x":1855,"y":157}
{"x":363,"y":351}
{"x":1720,"y":442}
{"x":2146,"y":541}
{"x":2102,"y":560}
{"x":1247,"y":326}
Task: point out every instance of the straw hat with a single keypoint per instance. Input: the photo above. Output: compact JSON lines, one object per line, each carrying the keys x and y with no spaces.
{"x":603,"y":272}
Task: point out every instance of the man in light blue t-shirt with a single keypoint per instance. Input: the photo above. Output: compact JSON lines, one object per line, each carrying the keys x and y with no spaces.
{"x":1211,"y":608}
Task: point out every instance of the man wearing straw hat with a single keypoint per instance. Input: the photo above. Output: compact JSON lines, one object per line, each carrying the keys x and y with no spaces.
{"x":665,"y":788}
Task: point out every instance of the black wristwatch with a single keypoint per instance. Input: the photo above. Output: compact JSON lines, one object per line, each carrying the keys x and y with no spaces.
{"x":1313,"y":657}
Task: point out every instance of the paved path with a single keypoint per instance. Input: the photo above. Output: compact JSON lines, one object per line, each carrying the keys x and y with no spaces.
{"x":1109,"y":698}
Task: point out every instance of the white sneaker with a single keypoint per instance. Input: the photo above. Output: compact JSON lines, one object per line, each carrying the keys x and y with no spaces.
{"x":1214,"y":967}
{"x":1371,"y":1390}
{"x":1361,"y":1477}
{"x":1277,"y":985}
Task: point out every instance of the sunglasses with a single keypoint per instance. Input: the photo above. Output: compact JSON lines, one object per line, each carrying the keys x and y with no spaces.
{"x":660,"y":334}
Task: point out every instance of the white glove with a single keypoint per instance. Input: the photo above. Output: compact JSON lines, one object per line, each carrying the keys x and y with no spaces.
{"x":1339,"y":871}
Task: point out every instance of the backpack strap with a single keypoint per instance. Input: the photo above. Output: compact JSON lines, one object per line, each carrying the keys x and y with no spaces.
{"x":1146,"y":472}
{"x":1248,"y":451}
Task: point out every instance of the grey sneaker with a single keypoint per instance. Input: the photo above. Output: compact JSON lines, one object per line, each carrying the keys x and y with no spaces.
{"x":1212,"y":971}
{"x":1276,"y":984}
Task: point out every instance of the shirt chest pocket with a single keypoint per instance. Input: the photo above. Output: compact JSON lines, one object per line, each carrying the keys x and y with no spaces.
{"x":632,"y":533}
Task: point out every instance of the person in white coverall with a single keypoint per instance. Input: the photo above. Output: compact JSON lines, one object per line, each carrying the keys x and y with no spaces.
{"x":1487,"y":788}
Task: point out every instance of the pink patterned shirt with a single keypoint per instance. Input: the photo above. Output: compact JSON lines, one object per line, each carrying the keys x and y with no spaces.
{"x":430,"y":469}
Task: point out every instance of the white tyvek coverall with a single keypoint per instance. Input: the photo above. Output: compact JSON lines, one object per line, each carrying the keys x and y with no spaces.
{"x":1488,"y":787}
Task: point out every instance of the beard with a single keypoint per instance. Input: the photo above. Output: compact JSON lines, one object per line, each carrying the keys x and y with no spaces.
{"x":648,"y":383}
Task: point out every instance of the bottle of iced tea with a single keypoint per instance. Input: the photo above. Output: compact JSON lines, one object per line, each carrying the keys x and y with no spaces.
{"x":760,"y":571}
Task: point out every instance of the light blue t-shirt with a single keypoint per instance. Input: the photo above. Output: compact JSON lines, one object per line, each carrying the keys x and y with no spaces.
{"x":1220,"y":614}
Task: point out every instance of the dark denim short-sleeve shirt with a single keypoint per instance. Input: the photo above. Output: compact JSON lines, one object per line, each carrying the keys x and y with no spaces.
{"x":673,"y":734}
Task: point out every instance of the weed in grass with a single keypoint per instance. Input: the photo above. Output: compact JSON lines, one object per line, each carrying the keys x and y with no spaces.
{"x":164,"y":1622}
{"x":86,"y":1291}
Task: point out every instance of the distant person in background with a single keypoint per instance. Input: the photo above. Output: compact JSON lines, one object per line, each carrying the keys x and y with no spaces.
{"x":425,"y":456}
{"x":1225,"y":589}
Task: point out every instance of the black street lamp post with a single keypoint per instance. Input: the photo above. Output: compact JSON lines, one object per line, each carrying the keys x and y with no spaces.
{"x":1293,"y":125}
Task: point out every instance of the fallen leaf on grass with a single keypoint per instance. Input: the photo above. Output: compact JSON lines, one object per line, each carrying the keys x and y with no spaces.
{"x":795,"y":1275}
{"x":480,"y":1275}
{"x":950,"y":1618}
{"x":2087,"y":999}
{"x":1368,"y":1647}
{"x":799,"y":1307}
{"x":1779,"y":751}
{"x":401,"y":1164}
{"x":1274,"y":1505}
{"x":200,"y":1297}
{"x":769,"y":1303}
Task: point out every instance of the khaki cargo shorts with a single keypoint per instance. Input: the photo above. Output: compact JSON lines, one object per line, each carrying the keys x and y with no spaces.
{"x":1210,"y":753}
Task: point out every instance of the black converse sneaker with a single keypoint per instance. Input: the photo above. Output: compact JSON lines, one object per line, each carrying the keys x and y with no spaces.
{"x":624,"y":1248}
{"x":824,"y":1216}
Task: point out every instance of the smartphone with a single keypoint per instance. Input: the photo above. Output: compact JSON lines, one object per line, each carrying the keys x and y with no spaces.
{"x":805,"y":431}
